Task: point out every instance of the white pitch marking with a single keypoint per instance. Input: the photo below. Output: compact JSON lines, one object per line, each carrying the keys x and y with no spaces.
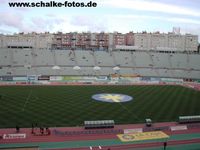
{"x":27,"y":99}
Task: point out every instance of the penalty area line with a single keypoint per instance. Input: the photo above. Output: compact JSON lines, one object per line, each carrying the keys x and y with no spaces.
{"x":27,"y":99}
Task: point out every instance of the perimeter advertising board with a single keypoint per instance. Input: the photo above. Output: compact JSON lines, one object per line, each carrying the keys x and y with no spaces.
{"x":19,"y":78}
{"x":79,"y":78}
{"x":142,"y":136}
{"x":7,"y":78}
{"x":14,"y":136}
{"x":178,"y":128}
{"x":172,"y":80}
{"x":130,"y":131}
{"x":101,"y":78}
{"x":43,"y":77}
{"x":71,"y":78}
{"x":32,"y":78}
{"x":56,"y":78}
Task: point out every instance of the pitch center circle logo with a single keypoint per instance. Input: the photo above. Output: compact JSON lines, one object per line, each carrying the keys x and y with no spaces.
{"x":112,"y":97}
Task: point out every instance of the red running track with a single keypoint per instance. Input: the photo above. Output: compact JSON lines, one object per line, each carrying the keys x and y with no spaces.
{"x":55,"y":138}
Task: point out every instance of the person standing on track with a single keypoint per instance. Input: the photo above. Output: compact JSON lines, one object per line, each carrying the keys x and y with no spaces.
{"x":165,"y":145}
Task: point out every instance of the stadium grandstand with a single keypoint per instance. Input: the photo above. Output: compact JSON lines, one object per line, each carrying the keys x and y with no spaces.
{"x":108,"y":82}
{"x":167,"y":55}
{"x":19,"y":62}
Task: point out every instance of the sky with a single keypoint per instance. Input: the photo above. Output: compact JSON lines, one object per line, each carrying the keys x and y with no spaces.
{"x":109,"y":16}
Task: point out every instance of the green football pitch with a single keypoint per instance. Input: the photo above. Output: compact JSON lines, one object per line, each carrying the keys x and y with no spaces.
{"x":72,"y":105}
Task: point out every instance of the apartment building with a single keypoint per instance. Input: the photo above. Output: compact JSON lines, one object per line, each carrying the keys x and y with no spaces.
{"x":30,"y":40}
{"x":166,"y":42}
{"x":130,"y":39}
{"x":102,"y":41}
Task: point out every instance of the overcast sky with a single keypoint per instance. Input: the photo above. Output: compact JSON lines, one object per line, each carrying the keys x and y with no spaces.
{"x":109,"y":15}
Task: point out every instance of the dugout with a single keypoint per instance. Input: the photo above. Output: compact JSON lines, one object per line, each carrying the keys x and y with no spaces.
{"x":99,"y":124}
{"x":189,"y":119}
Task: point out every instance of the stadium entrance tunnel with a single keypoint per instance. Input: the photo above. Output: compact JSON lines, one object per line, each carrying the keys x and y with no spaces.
{"x":112,"y":97}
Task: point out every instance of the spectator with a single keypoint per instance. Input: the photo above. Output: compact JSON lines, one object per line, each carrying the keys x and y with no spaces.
{"x":41,"y":130}
{"x":48,"y":131}
{"x":32,"y":129}
{"x":17,"y":128}
{"x":165,"y":145}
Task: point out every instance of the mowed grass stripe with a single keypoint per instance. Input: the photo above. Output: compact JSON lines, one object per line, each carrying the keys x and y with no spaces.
{"x":156,"y":99}
{"x":172,"y":102}
{"x":140,"y":101}
{"x":195,"y":103}
{"x":148,"y":101}
{"x":161,"y":97}
{"x":171,"y":105}
{"x":158,"y":102}
{"x":130,"y":109}
{"x":182,"y":101}
{"x":168,"y":97}
{"x":72,"y":105}
{"x":190,"y":96}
